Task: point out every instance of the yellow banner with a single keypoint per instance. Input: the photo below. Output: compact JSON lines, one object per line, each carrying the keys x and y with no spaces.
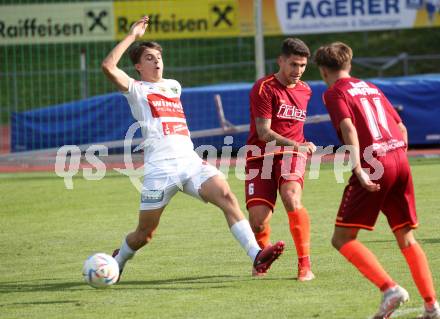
{"x":179,"y":19}
{"x":270,"y":19}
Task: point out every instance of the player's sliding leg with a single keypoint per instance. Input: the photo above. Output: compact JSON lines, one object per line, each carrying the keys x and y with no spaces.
{"x":419,"y":267}
{"x":344,"y":240}
{"x":148,"y":223}
{"x":299,"y":225}
{"x":216,"y":191}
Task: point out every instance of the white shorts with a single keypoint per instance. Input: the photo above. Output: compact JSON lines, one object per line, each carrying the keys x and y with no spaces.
{"x":163,"y":179}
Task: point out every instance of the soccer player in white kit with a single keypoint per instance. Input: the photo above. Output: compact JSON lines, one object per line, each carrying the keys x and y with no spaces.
{"x":170,"y":161}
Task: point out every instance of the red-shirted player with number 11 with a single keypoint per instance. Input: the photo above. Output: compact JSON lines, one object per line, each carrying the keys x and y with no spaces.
{"x":365,"y":119}
{"x":278,"y":151}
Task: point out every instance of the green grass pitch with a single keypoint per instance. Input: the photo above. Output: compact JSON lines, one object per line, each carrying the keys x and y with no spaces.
{"x":193,"y":268}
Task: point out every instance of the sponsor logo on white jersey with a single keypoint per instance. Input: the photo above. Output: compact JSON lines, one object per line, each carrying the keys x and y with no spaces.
{"x":162,"y":106}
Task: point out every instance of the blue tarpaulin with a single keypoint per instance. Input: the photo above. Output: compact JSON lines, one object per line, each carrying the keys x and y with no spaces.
{"x":107,"y":117}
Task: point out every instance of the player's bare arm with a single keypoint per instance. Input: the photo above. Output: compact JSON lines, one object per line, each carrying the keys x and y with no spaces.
{"x":110,"y":63}
{"x":265,"y":133}
{"x":404,"y":131}
{"x":350,"y":137}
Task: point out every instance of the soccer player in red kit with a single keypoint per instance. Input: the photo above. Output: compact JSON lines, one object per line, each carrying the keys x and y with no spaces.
{"x":365,"y":119}
{"x":278,"y":151}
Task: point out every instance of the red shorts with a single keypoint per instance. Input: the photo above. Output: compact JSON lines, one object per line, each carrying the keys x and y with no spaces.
{"x":269,"y":176}
{"x":360,"y":208}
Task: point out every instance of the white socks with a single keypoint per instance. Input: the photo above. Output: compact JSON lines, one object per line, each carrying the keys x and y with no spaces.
{"x":125,"y":253}
{"x":241,"y":230}
{"x":243,"y":233}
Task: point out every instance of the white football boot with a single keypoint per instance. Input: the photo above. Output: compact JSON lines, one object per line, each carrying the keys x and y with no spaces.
{"x":392,"y":299}
{"x":432,"y":312}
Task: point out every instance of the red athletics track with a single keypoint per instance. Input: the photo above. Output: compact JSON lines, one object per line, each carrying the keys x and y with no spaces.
{"x":43,"y":163}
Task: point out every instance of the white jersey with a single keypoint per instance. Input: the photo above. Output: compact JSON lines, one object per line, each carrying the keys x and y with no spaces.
{"x":157,"y":107}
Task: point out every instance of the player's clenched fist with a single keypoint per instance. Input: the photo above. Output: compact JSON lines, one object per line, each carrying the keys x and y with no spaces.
{"x":307,"y":147}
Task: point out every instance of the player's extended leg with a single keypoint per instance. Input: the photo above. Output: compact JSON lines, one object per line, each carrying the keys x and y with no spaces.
{"x":291,"y":193}
{"x":344,"y":240}
{"x":147,"y":225}
{"x":419,"y":266}
{"x":216,"y":191}
{"x":259,"y":218}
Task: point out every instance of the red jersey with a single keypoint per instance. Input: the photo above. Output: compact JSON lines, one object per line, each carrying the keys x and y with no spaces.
{"x":286,"y":107}
{"x":370,"y":111}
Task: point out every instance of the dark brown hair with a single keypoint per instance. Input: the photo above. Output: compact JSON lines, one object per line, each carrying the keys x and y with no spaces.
{"x":336,"y":56}
{"x":295,"y":46}
{"x":136,"y":51}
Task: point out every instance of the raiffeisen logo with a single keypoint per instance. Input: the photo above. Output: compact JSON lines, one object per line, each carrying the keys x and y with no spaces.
{"x":163,"y":24}
{"x":219,"y":18}
{"x":34,"y":27}
{"x":56,"y":23}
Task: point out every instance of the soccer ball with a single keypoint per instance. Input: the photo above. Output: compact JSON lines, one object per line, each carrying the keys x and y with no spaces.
{"x":100,"y":270}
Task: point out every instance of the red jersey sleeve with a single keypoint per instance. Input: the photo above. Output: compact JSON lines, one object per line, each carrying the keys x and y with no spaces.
{"x":337,"y":107}
{"x":261,"y":101}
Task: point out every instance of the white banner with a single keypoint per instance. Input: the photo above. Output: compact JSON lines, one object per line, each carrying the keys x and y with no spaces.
{"x":322,"y":16}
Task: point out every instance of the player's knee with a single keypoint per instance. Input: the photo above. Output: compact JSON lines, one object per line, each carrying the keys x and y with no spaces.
{"x":339,"y":241}
{"x":291,"y":200}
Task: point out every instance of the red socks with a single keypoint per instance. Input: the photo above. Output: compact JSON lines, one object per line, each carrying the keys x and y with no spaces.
{"x":300,"y":229}
{"x":263,"y":238}
{"x":366,"y":262}
{"x":418,"y":264}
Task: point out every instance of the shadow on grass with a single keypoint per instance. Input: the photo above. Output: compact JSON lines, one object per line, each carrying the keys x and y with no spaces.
{"x":378,"y":241}
{"x":202,"y":282}
{"x":423,"y":241}
{"x":429,"y":240}
{"x":36,"y":303}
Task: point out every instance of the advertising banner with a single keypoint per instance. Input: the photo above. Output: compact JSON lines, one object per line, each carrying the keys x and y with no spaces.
{"x":321,"y":16}
{"x":179,"y":19}
{"x":186,"y":19}
{"x":55,"y":23}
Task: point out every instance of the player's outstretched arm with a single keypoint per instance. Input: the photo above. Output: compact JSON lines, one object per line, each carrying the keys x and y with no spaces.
{"x":350,"y":137}
{"x":110,"y":63}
